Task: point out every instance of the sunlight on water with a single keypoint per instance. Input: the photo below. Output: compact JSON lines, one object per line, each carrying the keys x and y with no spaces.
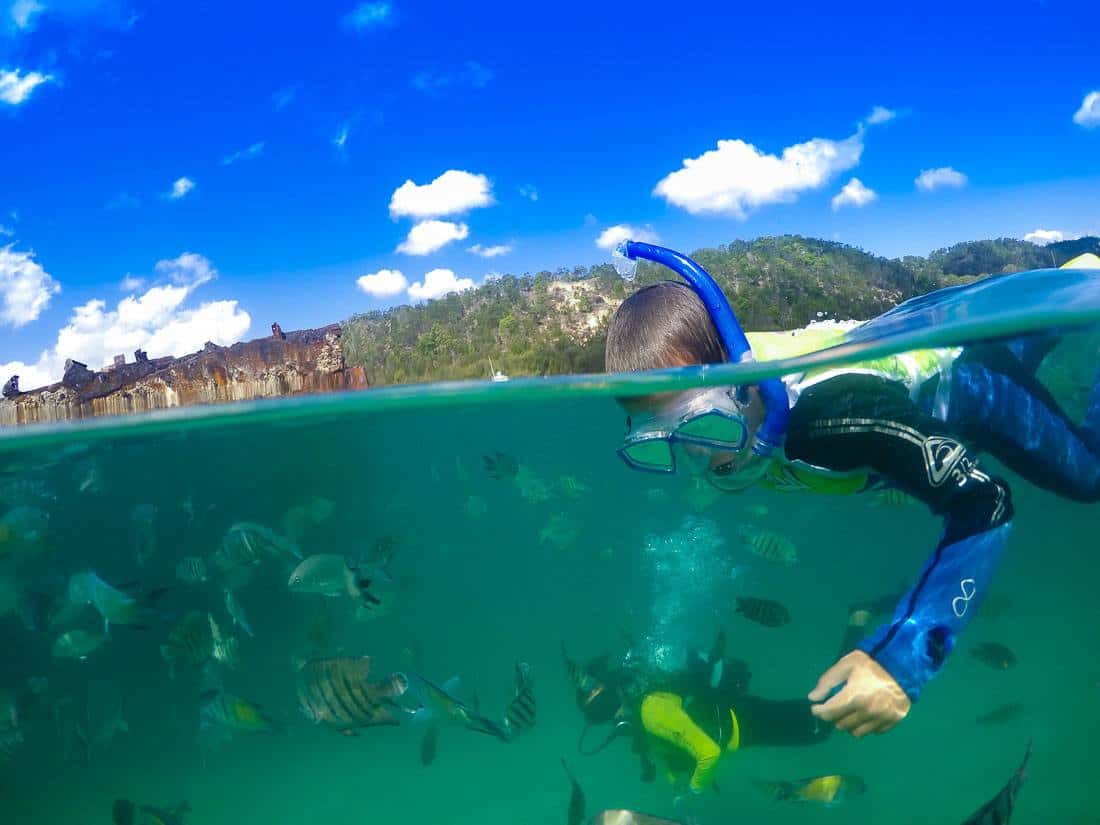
{"x":493,"y":533}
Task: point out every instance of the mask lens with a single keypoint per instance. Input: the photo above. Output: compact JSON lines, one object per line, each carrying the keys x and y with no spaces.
{"x":653,"y":454}
{"x":714,"y":428}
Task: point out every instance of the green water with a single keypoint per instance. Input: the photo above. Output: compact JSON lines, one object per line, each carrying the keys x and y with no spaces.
{"x":491,"y":571}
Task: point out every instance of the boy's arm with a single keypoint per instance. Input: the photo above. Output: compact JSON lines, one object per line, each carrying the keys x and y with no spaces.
{"x":856,"y":421}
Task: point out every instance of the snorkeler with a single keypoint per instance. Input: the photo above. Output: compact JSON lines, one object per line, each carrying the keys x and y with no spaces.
{"x":908,"y":421}
{"x":692,"y":715}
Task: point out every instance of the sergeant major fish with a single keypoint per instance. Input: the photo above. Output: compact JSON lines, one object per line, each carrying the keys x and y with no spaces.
{"x":994,"y":655}
{"x":338,"y":692}
{"x":766,"y":612}
{"x":998,"y":810}
{"x":769,"y":545}
{"x":237,"y":614}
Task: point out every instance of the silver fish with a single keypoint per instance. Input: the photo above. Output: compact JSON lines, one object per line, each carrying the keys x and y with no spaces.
{"x":328,"y":574}
{"x":78,"y":644}
{"x":236,"y":612}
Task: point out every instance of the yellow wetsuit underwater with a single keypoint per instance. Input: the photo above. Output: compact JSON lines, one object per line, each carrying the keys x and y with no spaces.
{"x":664,"y":717}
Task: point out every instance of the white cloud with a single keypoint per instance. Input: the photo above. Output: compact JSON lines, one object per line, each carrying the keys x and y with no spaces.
{"x":6,"y":231}
{"x":251,"y":153}
{"x":880,"y":114}
{"x":385,"y":283}
{"x":180,"y":188}
{"x":25,"y":287}
{"x":341,"y":139}
{"x":737,"y":177}
{"x":529,"y":192}
{"x":1045,"y":236}
{"x":473,"y":75}
{"x":1089,"y":113}
{"x":854,"y":193}
{"x":123,"y":200}
{"x":23,"y":12}
{"x":490,"y":251}
{"x":452,"y":193}
{"x":930,"y":179}
{"x":158,"y":321}
{"x":285,"y":96}
{"x":131,"y":283}
{"x":428,"y":236}
{"x":615,"y":235}
{"x":368,"y":15}
{"x":437,"y":283}
{"x":16,"y":87}
{"x":189,"y":270}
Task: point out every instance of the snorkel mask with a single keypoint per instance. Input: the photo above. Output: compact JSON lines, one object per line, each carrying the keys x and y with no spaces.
{"x":713,"y":419}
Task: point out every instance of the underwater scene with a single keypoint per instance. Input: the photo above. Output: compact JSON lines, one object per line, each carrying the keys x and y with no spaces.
{"x":448,"y":604}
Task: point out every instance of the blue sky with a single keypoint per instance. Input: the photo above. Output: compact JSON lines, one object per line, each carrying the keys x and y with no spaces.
{"x":179,"y":172}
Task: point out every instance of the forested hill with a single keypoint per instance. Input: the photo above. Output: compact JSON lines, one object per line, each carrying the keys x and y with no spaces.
{"x":556,"y":322}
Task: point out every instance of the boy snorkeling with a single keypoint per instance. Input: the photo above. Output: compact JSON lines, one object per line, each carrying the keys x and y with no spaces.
{"x":908,"y":421}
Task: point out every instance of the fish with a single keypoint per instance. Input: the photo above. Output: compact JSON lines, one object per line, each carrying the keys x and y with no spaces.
{"x":190,"y":642}
{"x":338,"y":692}
{"x":329,"y":574}
{"x":769,"y":545}
{"x":247,"y":543}
{"x":819,"y":790}
{"x":125,"y":812}
{"x":23,"y":529}
{"x":531,"y":487}
{"x":590,"y":686}
{"x":103,"y":719}
{"x":438,"y":704}
{"x":766,"y":612}
{"x":892,"y":497}
{"x":218,"y":709}
{"x":475,"y":507}
{"x":998,"y":810}
{"x":11,"y":742}
{"x":143,"y":521}
{"x":192,"y":570}
{"x":237,"y":614}
{"x":520,"y":715}
{"x":112,"y":604}
{"x":994,"y":654}
{"x":500,"y":465}
{"x":560,"y":532}
{"x":226,"y":649}
{"x":1001,"y":714}
{"x":77,"y":644}
{"x":623,"y":817}
{"x":577,"y":804}
{"x":573,"y":488}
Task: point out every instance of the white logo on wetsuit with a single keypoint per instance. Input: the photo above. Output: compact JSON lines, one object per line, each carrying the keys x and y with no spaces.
{"x":940,"y":457}
{"x":959,"y":604}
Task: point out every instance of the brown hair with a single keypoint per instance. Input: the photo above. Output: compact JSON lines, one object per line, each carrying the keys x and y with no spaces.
{"x":662,"y":325}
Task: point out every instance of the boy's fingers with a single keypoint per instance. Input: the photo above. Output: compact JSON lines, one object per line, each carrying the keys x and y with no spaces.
{"x":866,"y":728}
{"x":830,"y":679}
{"x":852,"y":720}
{"x":837,"y":707}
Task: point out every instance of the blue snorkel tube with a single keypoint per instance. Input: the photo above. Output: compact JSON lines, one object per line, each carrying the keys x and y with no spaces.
{"x":772,"y":390}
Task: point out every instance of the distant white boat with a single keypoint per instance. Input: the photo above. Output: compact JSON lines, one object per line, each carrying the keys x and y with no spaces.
{"x":496,"y":376}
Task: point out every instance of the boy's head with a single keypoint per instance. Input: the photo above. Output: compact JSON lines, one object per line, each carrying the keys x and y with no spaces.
{"x":664,"y":325}
{"x":667,"y":325}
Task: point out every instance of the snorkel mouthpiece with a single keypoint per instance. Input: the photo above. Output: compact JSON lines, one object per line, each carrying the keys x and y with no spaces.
{"x":772,"y":391}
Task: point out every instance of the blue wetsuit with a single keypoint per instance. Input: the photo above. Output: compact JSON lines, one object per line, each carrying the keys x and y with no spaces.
{"x":994,"y":404}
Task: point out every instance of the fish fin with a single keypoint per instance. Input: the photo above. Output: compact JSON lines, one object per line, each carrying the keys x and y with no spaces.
{"x":451,"y":685}
{"x":428,"y":744}
{"x":718,"y":649}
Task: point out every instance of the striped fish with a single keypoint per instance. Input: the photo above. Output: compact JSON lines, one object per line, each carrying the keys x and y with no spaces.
{"x":192,"y":570}
{"x":189,"y":643}
{"x":226,"y":649}
{"x":337,"y":692}
{"x":766,"y":612}
{"x":520,"y":715}
{"x":769,"y":546}
{"x":998,"y":810}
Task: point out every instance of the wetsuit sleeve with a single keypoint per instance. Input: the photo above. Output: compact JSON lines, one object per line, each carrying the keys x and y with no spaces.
{"x":866,"y":422}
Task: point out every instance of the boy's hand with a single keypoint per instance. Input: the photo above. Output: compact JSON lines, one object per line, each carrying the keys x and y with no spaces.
{"x":870,"y":702}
